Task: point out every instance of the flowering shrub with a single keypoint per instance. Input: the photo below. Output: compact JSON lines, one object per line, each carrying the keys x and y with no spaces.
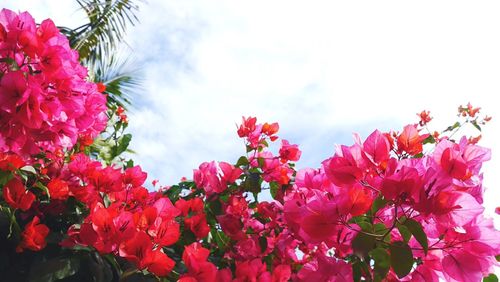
{"x":395,"y":206}
{"x":46,"y":103}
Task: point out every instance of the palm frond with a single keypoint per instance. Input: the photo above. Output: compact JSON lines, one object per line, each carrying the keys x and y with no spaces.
{"x":121,"y":75}
{"x":108,"y":20}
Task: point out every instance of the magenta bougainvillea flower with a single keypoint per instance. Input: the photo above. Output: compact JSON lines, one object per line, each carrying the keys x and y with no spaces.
{"x":46,"y":102}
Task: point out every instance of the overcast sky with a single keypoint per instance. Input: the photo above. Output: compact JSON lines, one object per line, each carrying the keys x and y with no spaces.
{"x":322,"y":69}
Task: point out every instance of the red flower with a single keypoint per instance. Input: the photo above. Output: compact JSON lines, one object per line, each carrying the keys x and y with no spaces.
{"x":472,"y":111}
{"x":16,"y":195}
{"x":102,"y":223}
{"x":195,"y":257}
{"x":143,"y":220}
{"x":289,"y":152}
{"x":247,"y":126}
{"x":198,"y":225}
{"x":108,"y":179}
{"x":281,"y":273}
{"x":232,"y":226}
{"x":270,"y":129}
{"x":101,"y":87}
{"x":424,"y":118}
{"x":58,"y":189}
{"x":165,"y":232}
{"x":158,"y":263}
{"x":359,"y":200}
{"x":253,"y":270}
{"x":33,"y":236}
{"x":195,"y":219}
{"x":134,"y":176}
{"x":10,"y":162}
{"x":140,"y":251}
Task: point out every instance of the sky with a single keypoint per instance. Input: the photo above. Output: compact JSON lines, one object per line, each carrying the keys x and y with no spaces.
{"x":322,"y":69}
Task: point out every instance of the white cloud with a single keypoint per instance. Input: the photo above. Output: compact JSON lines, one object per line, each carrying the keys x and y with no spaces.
{"x":320,"y":68}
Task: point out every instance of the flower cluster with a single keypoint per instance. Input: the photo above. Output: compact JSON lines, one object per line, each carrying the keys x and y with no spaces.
{"x":45,"y":103}
{"x":125,"y":219}
{"x":429,"y":206}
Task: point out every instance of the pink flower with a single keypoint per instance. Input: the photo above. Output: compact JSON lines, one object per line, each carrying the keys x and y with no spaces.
{"x":377,"y":147}
{"x":405,"y":183}
{"x":324,"y":268}
{"x":455,"y":209}
{"x":214,"y":177}
{"x":460,"y":265}
{"x":46,"y":101}
{"x":346,"y":167}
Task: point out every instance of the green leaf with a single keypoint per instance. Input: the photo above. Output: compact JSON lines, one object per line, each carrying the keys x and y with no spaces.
{"x":356,"y":271}
{"x":405,"y":233}
{"x":497,"y":257}
{"x":123,"y":143}
{"x":429,"y":140}
{"x":106,"y":28}
{"x":362,"y":244}
{"x":274,"y":188}
{"x":401,"y":258}
{"x":490,"y":278}
{"x":381,"y":229}
{"x":474,"y":123}
{"x":43,"y":188}
{"x":418,"y":232}
{"x":53,"y":269}
{"x":215,"y":207}
{"x":382,"y":263}
{"x":366,"y":226}
{"x":224,"y":197}
{"x":249,"y":148}
{"x":360,"y":269}
{"x":173,"y":192}
{"x":379,"y":203}
{"x":242,"y":161}
{"x":264,"y":142}
{"x":263,"y":243}
{"x":261,"y":162}
{"x":221,"y":239}
{"x":451,"y":127}
{"x":129,"y":163}
{"x":7,"y":60}
{"x":106,"y":200}
{"x":361,"y":220}
{"x":253,"y":182}
{"x":5,"y":176}
{"x":29,"y":169}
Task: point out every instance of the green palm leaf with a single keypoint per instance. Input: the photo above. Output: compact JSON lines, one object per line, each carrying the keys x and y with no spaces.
{"x":121,"y":75}
{"x":108,"y":20}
